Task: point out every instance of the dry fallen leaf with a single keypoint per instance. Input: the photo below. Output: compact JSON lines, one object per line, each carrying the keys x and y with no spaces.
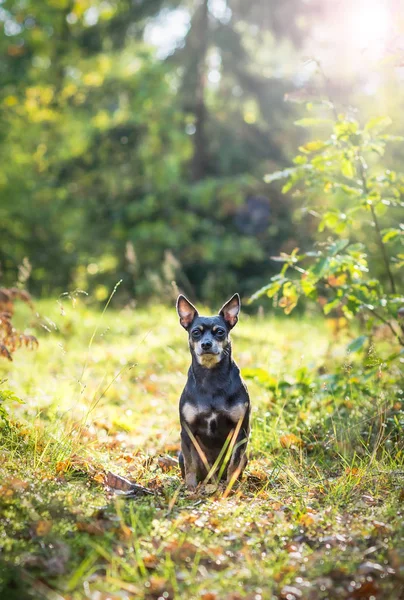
{"x":6,"y":492}
{"x":95,"y":528}
{"x":158,"y":585}
{"x":366,"y":590}
{"x":258,"y":474}
{"x":99,"y":477}
{"x":150,"y":561}
{"x":307,"y":520}
{"x":166,"y":463}
{"x":18,"y":484}
{"x":181,"y":551}
{"x":117,"y":482}
{"x":125,"y":532}
{"x":43,"y":527}
{"x":121,"y":485}
{"x":354,"y":471}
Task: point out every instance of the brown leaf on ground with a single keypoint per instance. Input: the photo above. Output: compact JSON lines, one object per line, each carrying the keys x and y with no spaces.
{"x":381,"y":528}
{"x":122,"y":486}
{"x":43,"y":527}
{"x":99,"y":477}
{"x":75,"y":463}
{"x":159,"y":585}
{"x":150,"y":561}
{"x":258,"y":474}
{"x":369,"y":499}
{"x":94,"y":528}
{"x":18,"y":484}
{"x":117,"y":482}
{"x":367,"y":589}
{"x":125,"y":533}
{"x":6,"y":491}
{"x":166,"y":463}
{"x":307,"y":520}
{"x":181,"y":552}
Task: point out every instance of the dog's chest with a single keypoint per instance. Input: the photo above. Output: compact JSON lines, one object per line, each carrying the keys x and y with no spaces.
{"x":211,"y":418}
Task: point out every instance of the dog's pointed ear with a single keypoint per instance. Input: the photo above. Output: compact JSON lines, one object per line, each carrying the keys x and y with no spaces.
{"x":186,"y":311}
{"x":230,"y":310}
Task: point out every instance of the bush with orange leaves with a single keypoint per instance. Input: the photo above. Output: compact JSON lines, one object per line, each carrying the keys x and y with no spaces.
{"x":10,"y":338}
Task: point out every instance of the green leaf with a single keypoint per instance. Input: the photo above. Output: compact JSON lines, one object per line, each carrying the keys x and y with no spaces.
{"x":329,"y":220}
{"x":269,"y":290}
{"x":308,"y":284}
{"x":288,"y":186}
{"x":300,"y":160}
{"x":8,"y":396}
{"x":390,"y":234}
{"x":377,"y":124}
{"x":337,"y":246}
{"x":312,"y":146}
{"x":378,"y":148}
{"x":327,"y":308}
{"x":347,"y":168}
{"x":320,"y":267}
{"x":345,"y":129}
{"x":357,"y":344}
{"x":349,"y":190}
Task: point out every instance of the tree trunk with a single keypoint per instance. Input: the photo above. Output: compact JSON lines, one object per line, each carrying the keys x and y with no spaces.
{"x":199,"y":160}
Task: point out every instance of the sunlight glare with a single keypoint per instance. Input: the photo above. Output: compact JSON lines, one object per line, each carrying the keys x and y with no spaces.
{"x":369,"y":25}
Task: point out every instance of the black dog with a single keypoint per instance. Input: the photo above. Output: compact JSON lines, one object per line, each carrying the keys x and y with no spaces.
{"x":215,"y":399}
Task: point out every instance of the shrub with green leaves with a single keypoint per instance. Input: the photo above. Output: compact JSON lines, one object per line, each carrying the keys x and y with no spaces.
{"x":7,"y":397}
{"x":357,"y":203}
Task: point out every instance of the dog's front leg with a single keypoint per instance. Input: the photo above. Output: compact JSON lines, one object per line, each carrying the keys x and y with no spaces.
{"x":190,"y":458}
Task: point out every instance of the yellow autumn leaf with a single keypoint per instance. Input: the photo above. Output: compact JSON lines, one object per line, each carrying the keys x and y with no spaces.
{"x":306,"y":520}
{"x":289,"y":440}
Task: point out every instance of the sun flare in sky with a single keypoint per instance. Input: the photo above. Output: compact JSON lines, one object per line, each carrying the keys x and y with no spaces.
{"x":370,"y":24}
{"x":353,"y":35}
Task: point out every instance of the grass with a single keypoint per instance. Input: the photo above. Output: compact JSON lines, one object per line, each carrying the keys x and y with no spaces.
{"x":317,"y":514}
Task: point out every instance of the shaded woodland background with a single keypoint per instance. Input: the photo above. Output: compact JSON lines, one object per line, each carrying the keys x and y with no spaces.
{"x":135,"y":134}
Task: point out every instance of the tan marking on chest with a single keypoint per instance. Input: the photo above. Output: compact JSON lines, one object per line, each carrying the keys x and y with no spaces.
{"x":237,"y":412}
{"x":189,"y":412}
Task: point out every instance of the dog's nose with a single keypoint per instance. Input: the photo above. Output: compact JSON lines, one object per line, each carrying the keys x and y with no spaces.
{"x":206,"y":345}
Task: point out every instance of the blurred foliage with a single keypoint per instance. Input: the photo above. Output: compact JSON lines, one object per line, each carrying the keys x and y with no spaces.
{"x":128,"y":158}
{"x":118,"y":164}
{"x":356,"y":266}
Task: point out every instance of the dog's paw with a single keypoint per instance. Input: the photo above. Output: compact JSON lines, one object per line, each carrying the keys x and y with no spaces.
{"x":191,"y":481}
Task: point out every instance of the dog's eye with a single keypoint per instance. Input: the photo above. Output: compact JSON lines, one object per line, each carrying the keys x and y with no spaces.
{"x":196,"y":333}
{"x":220,"y":333}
